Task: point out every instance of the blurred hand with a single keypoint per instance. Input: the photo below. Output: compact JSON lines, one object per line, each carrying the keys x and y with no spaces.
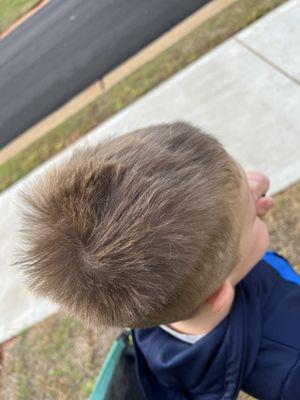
{"x":259,"y":184}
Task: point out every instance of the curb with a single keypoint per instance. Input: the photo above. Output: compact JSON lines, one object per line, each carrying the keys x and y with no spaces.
{"x":20,"y":21}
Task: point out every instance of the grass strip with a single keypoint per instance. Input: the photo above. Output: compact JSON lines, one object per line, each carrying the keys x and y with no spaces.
{"x":11,"y":11}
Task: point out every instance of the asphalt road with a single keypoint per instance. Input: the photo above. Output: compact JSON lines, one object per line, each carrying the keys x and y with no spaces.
{"x":67,"y":45}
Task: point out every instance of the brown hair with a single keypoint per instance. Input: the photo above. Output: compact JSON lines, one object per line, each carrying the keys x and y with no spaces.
{"x":135,"y":231}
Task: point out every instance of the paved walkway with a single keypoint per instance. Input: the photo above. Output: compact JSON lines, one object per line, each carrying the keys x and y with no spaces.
{"x":246,"y":92}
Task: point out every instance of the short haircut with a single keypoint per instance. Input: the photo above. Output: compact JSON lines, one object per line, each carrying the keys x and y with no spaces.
{"x":137,"y":230}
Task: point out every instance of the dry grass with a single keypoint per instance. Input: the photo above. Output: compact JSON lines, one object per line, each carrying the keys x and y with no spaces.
{"x":56,"y":359}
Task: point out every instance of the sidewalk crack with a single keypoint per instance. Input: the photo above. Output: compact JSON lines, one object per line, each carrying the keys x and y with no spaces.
{"x":266,"y":60}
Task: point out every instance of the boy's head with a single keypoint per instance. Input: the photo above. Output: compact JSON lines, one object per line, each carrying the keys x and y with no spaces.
{"x":136,"y":231}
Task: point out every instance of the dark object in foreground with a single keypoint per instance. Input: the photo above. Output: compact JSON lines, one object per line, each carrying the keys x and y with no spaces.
{"x":117,"y":379}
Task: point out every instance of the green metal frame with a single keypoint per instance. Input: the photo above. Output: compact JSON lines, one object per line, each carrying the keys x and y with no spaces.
{"x":107,"y":370}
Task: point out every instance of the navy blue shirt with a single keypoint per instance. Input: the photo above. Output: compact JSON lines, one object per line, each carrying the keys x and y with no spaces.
{"x":256,"y":348}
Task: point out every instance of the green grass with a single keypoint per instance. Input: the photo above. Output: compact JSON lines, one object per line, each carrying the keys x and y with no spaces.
{"x":12,"y":10}
{"x":187,"y":50}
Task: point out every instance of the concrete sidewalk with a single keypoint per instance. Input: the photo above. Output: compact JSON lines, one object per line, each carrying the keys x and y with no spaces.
{"x":246,"y":92}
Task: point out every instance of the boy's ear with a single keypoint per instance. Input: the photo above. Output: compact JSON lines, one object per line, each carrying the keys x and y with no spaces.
{"x":220,"y":298}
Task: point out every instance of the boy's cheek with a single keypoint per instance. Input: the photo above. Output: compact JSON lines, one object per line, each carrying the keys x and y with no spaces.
{"x":260,"y":242}
{"x":263,"y":205}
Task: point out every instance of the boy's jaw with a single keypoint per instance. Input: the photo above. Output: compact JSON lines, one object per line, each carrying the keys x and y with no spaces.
{"x":255,"y":237}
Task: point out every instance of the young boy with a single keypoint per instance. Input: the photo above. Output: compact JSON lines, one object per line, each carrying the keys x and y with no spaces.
{"x":159,"y":230}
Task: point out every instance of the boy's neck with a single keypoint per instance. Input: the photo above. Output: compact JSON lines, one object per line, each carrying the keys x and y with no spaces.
{"x":205,"y":319}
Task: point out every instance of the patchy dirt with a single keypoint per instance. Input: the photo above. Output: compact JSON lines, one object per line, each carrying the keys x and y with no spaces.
{"x":284,"y":224}
{"x":56,"y":359}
